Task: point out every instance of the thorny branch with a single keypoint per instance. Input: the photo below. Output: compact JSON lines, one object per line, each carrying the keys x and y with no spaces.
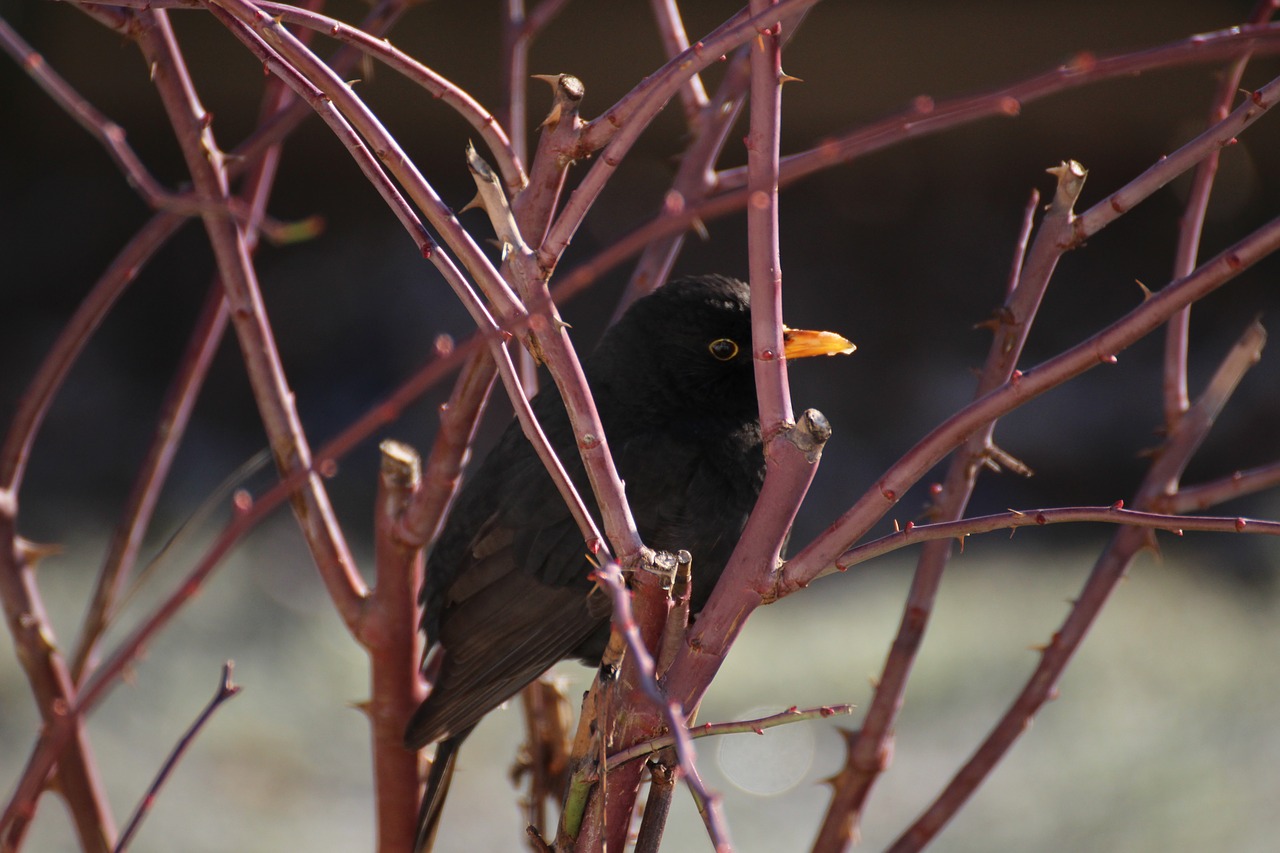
{"x":518,"y":304}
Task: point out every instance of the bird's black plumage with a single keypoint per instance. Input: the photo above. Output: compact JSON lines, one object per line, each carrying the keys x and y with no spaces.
{"x":507,"y":591}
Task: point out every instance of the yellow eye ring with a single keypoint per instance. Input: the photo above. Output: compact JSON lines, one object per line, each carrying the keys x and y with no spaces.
{"x":723,"y":349}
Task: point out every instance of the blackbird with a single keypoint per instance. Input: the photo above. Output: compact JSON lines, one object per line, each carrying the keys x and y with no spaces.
{"x":507,"y":591}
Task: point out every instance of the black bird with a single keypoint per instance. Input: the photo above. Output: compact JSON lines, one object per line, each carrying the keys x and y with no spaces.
{"x":507,"y":592}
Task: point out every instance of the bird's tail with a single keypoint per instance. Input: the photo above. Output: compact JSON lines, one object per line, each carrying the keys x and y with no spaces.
{"x":438,"y":779}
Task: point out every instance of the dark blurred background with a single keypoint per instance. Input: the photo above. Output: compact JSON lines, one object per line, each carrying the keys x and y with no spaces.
{"x":904,"y":251}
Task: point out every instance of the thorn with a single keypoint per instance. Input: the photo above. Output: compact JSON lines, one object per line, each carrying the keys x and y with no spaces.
{"x":32,"y":553}
{"x":785,"y":78}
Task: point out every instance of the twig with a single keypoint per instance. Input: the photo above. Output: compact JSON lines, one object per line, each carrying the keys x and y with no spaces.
{"x":126,"y":541}
{"x":421,"y":519}
{"x":1226,"y":488}
{"x":1190,"y":225}
{"x":817,"y":558}
{"x":744,"y":585}
{"x":107,"y":674}
{"x":225,"y":691}
{"x":109,"y":134}
{"x":544,"y":328}
{"x":618,"y":127}
{"x":518,"y":33}
{"x":439,"y":87}
{"x":935,"y":117}
{"x":666,"y":14}
{"x":283,"y":43}
{"x":610,"y":577}
{"x":657,"y":805}
{"x":390,"y":637}
{"x":1107,"y":573}
{"x":1160,"y":173}
{"x":1029,"y":279}
{"x":175,"y":411}
{"x":756,"y":726}
{"x":764,"y":260}
{"x":53,"y":370}
{"x":958,"y":530}
{"x":244,"y":301}
{"x":51,"y":685}
{"x":695,"y":177}
{"x":927,"y":117}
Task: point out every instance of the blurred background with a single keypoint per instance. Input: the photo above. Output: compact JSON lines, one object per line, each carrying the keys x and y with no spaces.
{"x":1167,"y":736}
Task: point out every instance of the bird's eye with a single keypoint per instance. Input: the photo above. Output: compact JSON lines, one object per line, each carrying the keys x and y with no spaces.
{"x":723,"y":349}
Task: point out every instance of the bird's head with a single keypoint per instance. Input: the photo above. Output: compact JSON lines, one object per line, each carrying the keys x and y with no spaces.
{"x":686,"y":347}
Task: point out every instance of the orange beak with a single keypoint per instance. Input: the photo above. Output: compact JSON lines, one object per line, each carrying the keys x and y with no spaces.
{"x":802,"y":343}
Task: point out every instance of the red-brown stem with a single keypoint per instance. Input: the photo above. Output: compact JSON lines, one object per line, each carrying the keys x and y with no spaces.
{"x":761,"y":542}
{"x":1226,"y":488}
{"x":107,"y":132}
{"x":957,"y":531}
{"x":337,"y":92}
{"x":731,"y":189}
{"x":1212,"y":140}
{"x":225,"y":691}
{"x":546,"y":326}
{"x":389,"y":636}
{"x":107,"y":675}
{"x":1174,"y":387}
{"x":756,"y":726}
{"x":1040,"y":687}
{"x":34,"y":403}
{"x":389,"y":153}
{"x":175,"y":413}
{"x":818,"y":558}
{"x":557,"y":149}
{"x":440,"y":88}
{"x":54,"y":736}
{"x":640,"y":617}
{"x":19,"y":593}
{"x":640,"y":690}
{"x":1007,"y":101}
{"x":694,"y":179}
{"x":1161,"y":479}
{"x":46,"y":670}
{"x":750,"y":577}
{"x":518,"y":32}
{"x":617,"y":129}
{"x":244,"y":299}
{"x":421,"y":519}
{"x":763,"y":257}
{"x":563,"y":364}
{"x":666,"y":14}
{"x":869,"y":753}
{"x":792,"y":457}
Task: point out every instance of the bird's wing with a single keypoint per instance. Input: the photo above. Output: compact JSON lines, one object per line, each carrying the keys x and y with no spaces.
{"x":507,"y":593}
{"x":498,"y":637}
